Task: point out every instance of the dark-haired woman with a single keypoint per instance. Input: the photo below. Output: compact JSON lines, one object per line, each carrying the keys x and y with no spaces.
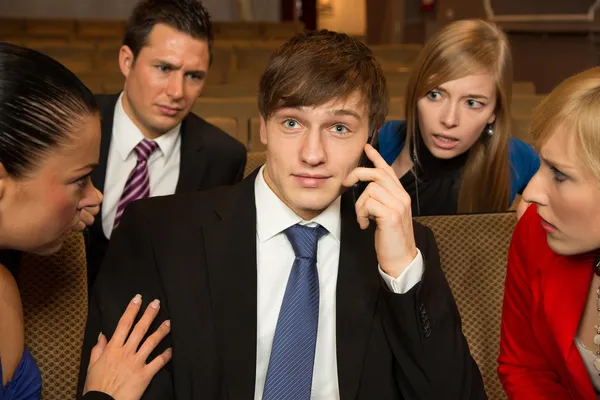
{"x":49,"y":144}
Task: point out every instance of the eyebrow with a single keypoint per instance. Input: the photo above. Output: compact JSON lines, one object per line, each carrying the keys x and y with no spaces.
{"x":470,"y":96}
{"x":335,"y":113}
{"x":177,"y":67}
{"x":558,"y":165}
{"x":344,"y":112}
{"x":91,"y":166}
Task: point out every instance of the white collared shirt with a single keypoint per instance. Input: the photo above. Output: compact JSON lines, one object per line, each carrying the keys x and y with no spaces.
{"x":275,"y":258}
{"x":163,"y":164}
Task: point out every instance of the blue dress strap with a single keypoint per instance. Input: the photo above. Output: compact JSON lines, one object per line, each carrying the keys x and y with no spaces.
{"x":26,"y":383}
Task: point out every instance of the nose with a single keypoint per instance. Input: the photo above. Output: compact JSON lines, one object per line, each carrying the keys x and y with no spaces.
{"x":92,"y":197}
{"x":175,"y":86}
{"x":313,"y":149}
{"x":536,"y":192}
{"x":449,"y":116}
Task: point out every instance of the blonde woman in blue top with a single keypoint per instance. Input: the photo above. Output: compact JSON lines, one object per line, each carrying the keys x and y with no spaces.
{"x":454,"y":153}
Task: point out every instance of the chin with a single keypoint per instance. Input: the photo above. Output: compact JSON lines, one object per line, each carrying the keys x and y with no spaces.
{"x":312,"y":205}
{"x":164,"y":124}
{"x":564,"y":248}
{"x":48,"y":249}
{"x":445,"y":154}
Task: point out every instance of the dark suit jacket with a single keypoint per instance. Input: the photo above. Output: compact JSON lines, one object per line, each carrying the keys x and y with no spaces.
{"x":209,"y":158}
{"x":197,"y":254}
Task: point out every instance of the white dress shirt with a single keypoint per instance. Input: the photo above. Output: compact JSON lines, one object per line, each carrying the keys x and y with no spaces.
{"x":275,"y":258}
{"x":163,"y":164}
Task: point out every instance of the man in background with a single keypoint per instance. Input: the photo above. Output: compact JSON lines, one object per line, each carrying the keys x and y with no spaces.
{"x":152,"y":145}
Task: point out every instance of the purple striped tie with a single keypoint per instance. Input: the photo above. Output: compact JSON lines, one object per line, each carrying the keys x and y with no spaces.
{"x":138,"y":183}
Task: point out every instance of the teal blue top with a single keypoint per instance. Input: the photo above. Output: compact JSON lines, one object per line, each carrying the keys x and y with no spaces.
{"x":524,"y":161}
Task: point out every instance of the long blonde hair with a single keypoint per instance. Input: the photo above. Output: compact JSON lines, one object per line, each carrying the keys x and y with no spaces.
{"x":460,"y":49}
{"x":574,"y":105}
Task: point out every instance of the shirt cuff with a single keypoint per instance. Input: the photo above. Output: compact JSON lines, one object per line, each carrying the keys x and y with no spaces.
{"x":408,"y":278}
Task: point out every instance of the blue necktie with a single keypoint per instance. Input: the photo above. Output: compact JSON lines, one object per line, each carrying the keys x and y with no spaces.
{"x":290,"y":372}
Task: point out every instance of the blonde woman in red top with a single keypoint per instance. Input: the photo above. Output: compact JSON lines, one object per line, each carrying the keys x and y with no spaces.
{"x":550,"y":343}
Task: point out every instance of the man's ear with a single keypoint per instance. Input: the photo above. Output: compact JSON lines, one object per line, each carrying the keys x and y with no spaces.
{"x":126,"y":60}
{"x":263,"y":130}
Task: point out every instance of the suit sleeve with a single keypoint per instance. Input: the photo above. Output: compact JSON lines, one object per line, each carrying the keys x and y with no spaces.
{"x":523,"y":368}
{"x":425,"y":326}
{"x":128,"y":269}
{"x":96,"y":396}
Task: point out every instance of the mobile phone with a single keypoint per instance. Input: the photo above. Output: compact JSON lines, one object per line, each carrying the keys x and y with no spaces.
{"x":360,"y":186}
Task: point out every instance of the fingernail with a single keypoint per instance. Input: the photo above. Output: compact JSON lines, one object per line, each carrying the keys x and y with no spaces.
{"x":137,"y":299}
{"x":168,"y":323}
{"x":155,"y":303}
{"x":99,"y":336}
{"x":170,"y":351}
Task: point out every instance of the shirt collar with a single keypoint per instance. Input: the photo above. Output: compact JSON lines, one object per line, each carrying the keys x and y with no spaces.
{"x":130,"y":135}
{"x":273,"y":216}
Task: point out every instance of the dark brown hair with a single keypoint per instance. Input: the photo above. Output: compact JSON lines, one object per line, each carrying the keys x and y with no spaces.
{"x":187,"y":16}
{"x":316,"y":67}
{"x":41,"y":103}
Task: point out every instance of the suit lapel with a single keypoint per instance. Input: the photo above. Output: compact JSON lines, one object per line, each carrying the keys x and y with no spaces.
{"x":107,"y":111}
{"x":358,"y":286}
{"x":192,"y":163}
{"x":565,"y":288}
{"x":231,"y":261}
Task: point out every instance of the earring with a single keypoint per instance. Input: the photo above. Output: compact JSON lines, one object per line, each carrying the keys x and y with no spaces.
{"x":489,"y":130}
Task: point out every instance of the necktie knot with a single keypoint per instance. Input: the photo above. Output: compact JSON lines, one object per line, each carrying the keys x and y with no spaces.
{"x":145,"y":148}
{"x":304,"y":239}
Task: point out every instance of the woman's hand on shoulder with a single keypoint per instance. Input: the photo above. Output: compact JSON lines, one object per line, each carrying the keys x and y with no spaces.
{"x":118,"y":367}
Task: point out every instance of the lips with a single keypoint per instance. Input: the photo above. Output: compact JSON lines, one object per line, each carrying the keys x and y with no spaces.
{"x":445,"y":138}
{"x":547,"y":226}
{"x":444,"y":142}
{"x":311,"y":181}
{"x":308,"y":176}
{"x":170,"y":111}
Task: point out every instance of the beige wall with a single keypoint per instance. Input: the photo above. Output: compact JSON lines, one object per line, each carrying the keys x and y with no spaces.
{"x":221,"y":10}
{"x":348,"y":16}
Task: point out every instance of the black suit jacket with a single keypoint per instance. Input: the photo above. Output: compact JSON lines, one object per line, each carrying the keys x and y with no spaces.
{"x":197,"y":254}
{"x":209,"y":158}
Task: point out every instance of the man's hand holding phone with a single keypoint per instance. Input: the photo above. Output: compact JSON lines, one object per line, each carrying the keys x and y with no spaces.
{"x":387,"y":203}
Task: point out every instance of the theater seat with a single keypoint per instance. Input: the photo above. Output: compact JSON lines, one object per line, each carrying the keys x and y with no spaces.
{"x":228,"y":125}
{"x":254,"y":134}
{"x":473,"y":250}
{"x":255,"y":159}
{"x":54,"y":295}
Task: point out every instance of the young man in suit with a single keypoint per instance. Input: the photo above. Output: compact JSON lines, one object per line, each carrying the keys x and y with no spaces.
{"x":152,"y":145}
{"x":291,"y":285}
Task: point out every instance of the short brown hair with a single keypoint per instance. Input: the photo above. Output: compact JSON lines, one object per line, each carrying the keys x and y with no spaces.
{"x":187,"y":16}
{"x":315,"y":67}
